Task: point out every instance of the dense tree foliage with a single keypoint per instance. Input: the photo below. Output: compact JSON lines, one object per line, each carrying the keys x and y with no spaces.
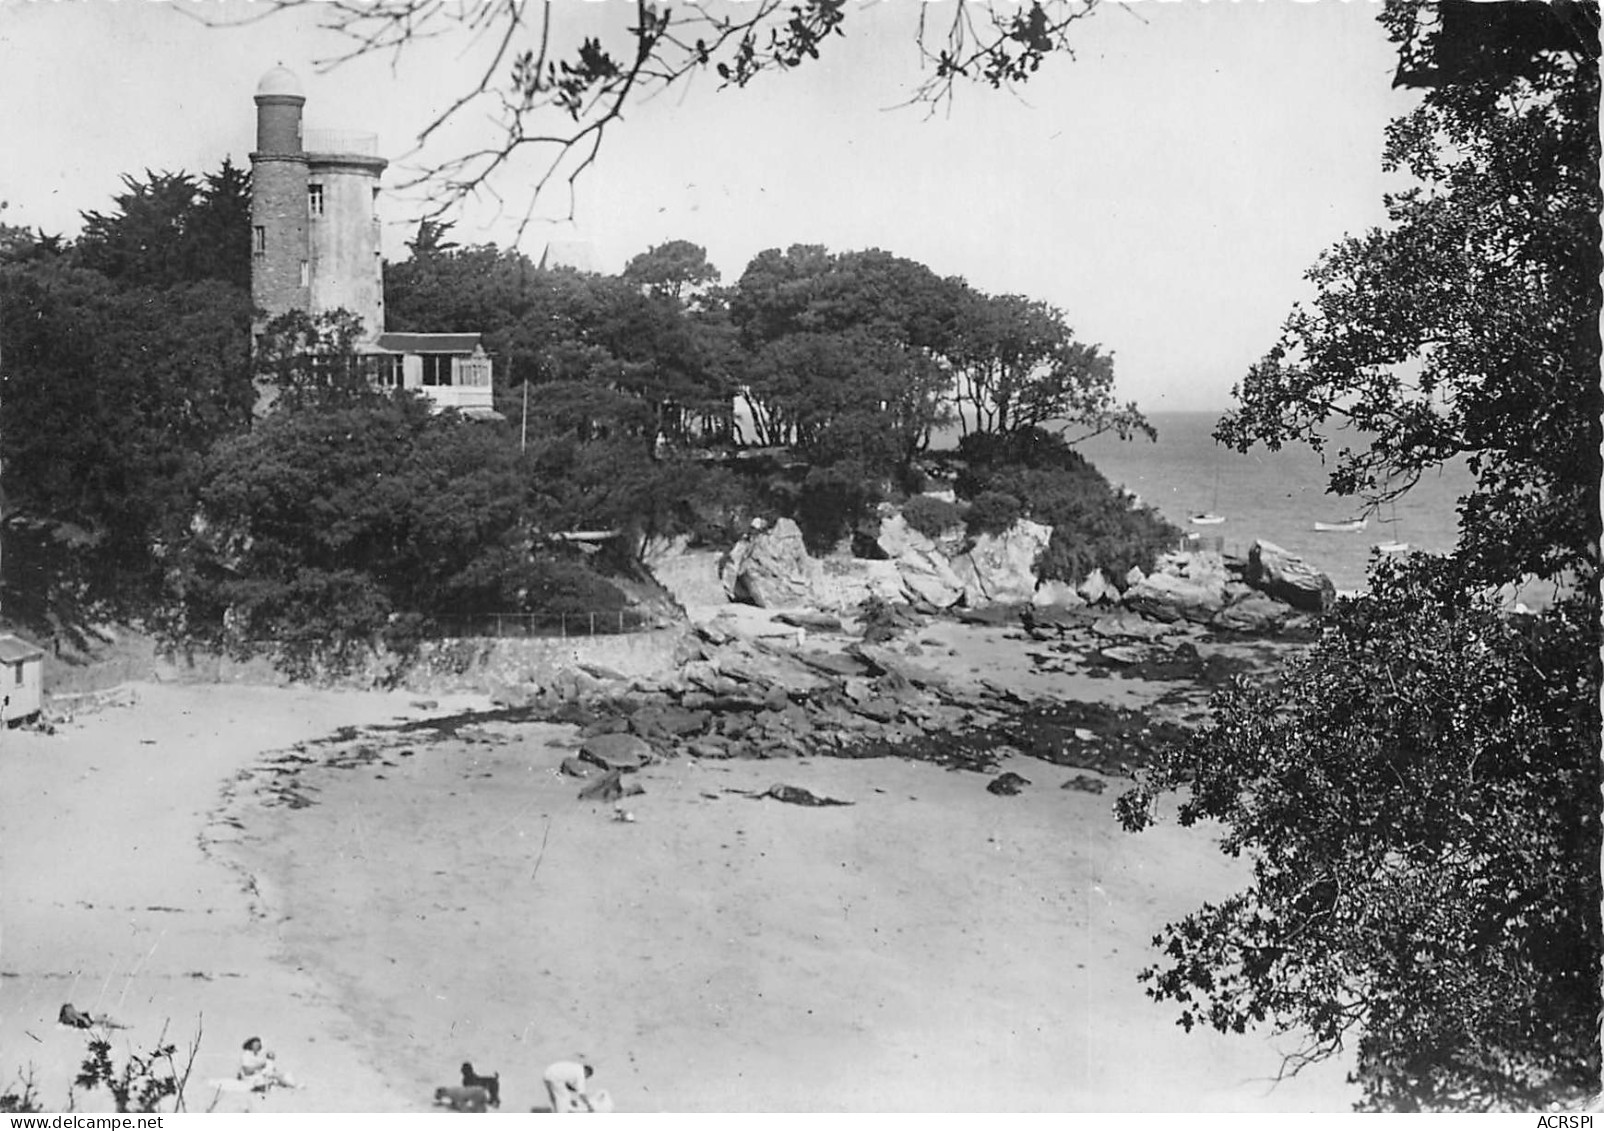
{"x":1419,"y":800}
{"x":836,"y":340}
{"x":1038,"y":475}
{"x":1419,"y":794}
{"x":170,"y":229}
{"x":1018,"y":366}
{"x":1468,"y":324}
{"x":677,"y":269}
{"x":112,"y":396}
{"x":598,"y":347}
{"x":335,"y":523}
{"x":306,"y":360}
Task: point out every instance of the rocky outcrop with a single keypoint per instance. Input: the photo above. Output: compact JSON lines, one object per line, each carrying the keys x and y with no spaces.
{"x":1057,"y":595}
{"x":1251,"y":612}
{"x":926,"y":577}
{"x":1289,"y":578}
{"x":1189,"y":586}
{"x":734,"y":697}
{"x":1097,"y":590}
{"x":771,"y":569}
{"x":845,"y":583}
{"x":1169,"y":597}
{"x":1000,"y":569}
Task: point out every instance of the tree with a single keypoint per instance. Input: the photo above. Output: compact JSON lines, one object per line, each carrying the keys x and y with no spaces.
{"x":112,"y":397}
{"x":675,"y":270}
{"x":1418,"y":795}
{"x":1419,"y":800}
{"x":1467,"y":326}
{"x":304,"y":359}
{"x":332,"y":522}
{"x":169,"y":229}
{"x":534,"y":74}
{"x":1018,"y":366}
{"x":1094,"y":525}
{"x":561,"y":326}
{"x":432,"y":238}
{"x":838,"y":336}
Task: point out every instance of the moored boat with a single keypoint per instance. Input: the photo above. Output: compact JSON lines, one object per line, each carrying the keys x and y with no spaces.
{"x":1350,"y":526}
{"x":1207,"y":519}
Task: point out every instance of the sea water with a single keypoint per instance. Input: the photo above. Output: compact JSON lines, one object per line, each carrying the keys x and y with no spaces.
{"x":1275,"y":496}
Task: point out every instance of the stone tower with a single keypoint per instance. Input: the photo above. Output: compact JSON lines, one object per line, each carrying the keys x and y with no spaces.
{"x":314,"y":213}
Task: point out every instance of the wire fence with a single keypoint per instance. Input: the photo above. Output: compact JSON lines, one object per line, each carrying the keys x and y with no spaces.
{"x":610,"y":622}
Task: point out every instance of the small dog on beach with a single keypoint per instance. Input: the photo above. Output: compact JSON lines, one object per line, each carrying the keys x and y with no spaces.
{"x":462,"y":1099}
{"x":491,"y":1084}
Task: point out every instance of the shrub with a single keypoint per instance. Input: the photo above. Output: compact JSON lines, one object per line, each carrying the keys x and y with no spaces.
{"x":931,"y":516}
{"x":992,"y":512}
{"x":832,"y":501}
{"x":1094,"y":526}
{"x":1031,"y":448}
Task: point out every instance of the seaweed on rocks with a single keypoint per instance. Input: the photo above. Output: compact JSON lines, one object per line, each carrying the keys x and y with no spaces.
{"x":1090,"y":736}
{"x":974,"y":750}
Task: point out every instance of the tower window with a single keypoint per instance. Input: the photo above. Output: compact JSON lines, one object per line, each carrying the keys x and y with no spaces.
{"x":306,"y":274}
{"x":258,"y":240}
{"x":375,"y":204}
{"x":314,"y":199}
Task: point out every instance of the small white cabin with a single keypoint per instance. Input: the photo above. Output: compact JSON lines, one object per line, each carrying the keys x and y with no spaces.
{"x":451,"y":370}
{"x":21,"y":678}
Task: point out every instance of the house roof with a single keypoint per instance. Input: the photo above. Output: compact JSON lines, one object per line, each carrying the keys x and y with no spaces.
{"x":14,"y":649}
{"x":429,"y":343}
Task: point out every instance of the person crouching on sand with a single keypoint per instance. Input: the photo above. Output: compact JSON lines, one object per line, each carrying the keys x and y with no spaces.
{"x":259,"y":1069}
{"x":565,"y":1084}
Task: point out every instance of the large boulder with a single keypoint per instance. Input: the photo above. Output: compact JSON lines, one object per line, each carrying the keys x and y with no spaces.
{"x":772,"y":569}
{"x":1171,"y":597}
{"x":1097,"y":590}
{"x":1057,"y":595}
{"x":1289,"y":578}
{"x":1197,"y":565}
{"x":616,"y":751}
{"x":1000,"y":569}
{"x":1254,"y":613}
{"x":923,"y":570}
{"x":845,"y":583}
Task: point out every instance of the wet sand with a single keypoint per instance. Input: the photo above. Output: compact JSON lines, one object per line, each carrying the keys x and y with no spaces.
{"x":929,"y":947}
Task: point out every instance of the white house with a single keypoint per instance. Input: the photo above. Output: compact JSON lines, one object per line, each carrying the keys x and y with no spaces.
{"x":21,"y":678}
{"x":450,"y":370}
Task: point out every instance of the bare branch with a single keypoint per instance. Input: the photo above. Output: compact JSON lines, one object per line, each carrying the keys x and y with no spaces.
{"x":590,"y":84}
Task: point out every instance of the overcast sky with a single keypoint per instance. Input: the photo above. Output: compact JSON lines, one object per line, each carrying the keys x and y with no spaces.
{"x":1167,"y":188}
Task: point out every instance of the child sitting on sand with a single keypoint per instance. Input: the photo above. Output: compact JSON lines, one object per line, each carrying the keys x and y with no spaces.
{"x":259,"y":1069}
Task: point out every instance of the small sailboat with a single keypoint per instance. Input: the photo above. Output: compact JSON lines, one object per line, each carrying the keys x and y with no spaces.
{"x":1392,"y":545}
{"x":1210,"y":517}
{"x":1347,"y":526}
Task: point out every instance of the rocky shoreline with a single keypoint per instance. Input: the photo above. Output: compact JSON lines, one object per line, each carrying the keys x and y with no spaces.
{"x":887,"y":680}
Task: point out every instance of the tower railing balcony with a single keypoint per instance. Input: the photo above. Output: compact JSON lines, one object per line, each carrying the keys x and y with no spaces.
{"x":353,"y":142}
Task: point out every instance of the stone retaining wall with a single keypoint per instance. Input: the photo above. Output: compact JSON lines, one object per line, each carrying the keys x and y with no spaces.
{"x":482,"y":664}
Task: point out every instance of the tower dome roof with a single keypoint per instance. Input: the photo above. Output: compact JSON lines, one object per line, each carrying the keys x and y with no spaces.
{"x":280,"y":80}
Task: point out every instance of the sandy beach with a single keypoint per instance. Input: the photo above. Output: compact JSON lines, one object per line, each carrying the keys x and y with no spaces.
{"x":382,"y":903}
